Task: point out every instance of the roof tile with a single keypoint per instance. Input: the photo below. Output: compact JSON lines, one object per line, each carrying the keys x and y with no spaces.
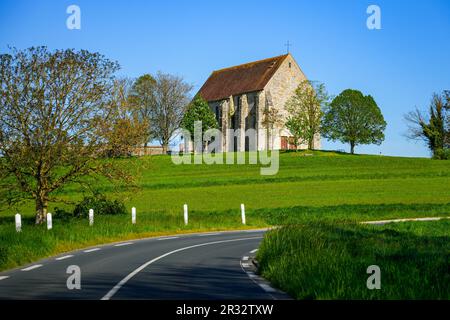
{"x":240,"y":79}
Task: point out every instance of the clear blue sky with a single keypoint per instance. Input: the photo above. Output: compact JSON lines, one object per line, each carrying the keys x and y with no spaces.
{"x":400,"y":65}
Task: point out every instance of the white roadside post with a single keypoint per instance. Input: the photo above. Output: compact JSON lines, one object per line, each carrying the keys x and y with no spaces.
{"x":185,"y":214}
{"x":49,"y":221}
{"x":91,"y":217}
{"x":243,"y":213}
{"x":133,"y":215}
{"x":18,"y":222}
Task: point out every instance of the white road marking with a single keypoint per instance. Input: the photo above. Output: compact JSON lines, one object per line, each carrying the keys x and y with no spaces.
{"x":32,"y":267}
{"x":91,"y":250}
{"x":266,"y":287}
{"x":123,"y":244}
{"x":257,"y":280}
{"x":208,"y":234}
{"x":167,"y":238}
{"x":404,"y":220}
{"x":253,"y":251}
{"x":117,"y":287}
{"x":245,"y":258}
{"x":65,"y":257}
{"x":3,"y":277}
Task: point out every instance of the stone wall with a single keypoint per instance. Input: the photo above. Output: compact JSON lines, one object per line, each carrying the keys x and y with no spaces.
{"x":147,"y":151}
{"x":280,"y":88}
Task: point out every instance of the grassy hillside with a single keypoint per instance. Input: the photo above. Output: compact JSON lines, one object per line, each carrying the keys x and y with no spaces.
{"x":325,"y":179}
{"x":327,"y":185}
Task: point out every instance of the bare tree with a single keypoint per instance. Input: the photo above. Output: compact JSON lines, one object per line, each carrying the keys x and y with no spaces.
{"x":272,"y":120}
{"x":432,"y":128}
{"x":51,"y":106}
{"x":171,"y":96}
{"x":447,"y":119}
{"x":125,"y":129}
{"x":142,"y":99}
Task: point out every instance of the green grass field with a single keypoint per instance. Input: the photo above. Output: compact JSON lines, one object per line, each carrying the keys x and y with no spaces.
{"x":327,"y":186}
{"x":330,"y":261}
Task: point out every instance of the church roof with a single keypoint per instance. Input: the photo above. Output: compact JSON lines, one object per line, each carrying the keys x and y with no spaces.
{"x":240,"y":79}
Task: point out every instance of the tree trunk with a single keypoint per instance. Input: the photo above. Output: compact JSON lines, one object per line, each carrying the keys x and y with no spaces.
{"x":272,"y":139}
{"x":352,"y":147}
{"x":41,"y":209}
{"x":311,"y":144}
{"x":165,"y":147}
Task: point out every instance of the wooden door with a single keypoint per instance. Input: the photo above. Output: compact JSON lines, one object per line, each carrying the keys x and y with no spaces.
{"x":284,"y":143}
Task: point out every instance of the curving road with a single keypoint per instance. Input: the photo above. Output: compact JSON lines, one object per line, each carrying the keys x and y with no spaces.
{"x":194,"y":266}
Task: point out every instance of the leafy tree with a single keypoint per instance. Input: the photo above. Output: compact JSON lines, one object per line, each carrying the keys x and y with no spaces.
{"x":432,"y":128}
{"x":51,"y":106}
{"x":142,"y":99}
{"x":305,"y":111}
{"x":199,"y":110}
{"x":295,"y":126}
{"x":355,"y":119}
{"x":171,"y":95}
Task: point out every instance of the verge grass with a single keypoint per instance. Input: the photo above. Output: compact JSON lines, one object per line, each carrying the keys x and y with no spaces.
{"x":329,"y":261}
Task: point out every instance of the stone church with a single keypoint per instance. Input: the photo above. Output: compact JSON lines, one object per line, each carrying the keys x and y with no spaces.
{"x":240,"y":96}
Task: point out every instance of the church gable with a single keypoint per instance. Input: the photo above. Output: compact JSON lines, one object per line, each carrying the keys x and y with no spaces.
{"x":240,"y":79}
{"x":283,"y":83}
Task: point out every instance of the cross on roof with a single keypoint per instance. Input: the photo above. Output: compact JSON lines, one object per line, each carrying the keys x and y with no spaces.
{"x":288,"y":45}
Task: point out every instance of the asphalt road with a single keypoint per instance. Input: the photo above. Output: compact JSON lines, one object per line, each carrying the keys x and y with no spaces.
{"x":196,"y":266}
